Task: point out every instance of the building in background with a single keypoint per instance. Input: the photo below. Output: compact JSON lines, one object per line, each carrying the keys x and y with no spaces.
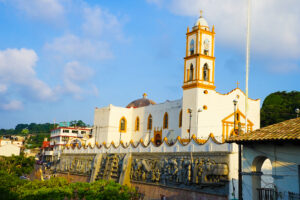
{"x":63,"y":136}
{"x":11,"y":145}
{"x":46,"y":153}
{"x":9,"y":149}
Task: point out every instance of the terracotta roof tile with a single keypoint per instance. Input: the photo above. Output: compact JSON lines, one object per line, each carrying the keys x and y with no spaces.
{"x":286,"y":130}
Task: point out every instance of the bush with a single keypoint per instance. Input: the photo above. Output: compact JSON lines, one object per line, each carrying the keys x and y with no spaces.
{"x":17,"y":165}
{"x":59,"y":188}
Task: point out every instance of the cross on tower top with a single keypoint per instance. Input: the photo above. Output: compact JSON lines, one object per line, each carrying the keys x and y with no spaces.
{"x":201,"y":12}
{"x":237,"y":84}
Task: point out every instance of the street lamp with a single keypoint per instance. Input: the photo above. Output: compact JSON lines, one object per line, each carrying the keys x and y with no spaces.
{"x":149,"y":136}
{"x":297,"y":110}
{"x":190,"y":112}
{"x":234,"y":121}
{"x":199,"y":110}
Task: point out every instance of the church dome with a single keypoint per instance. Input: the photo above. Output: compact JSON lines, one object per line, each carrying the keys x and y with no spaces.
{"x":141,"y":102}
{"x":201,"y":21}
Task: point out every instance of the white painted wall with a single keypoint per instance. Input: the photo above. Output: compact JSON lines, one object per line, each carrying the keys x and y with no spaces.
{"x":9,"y":150}
{"x":107,"y":121}
{"x":219,"y":106}
{"x":285,"y":161}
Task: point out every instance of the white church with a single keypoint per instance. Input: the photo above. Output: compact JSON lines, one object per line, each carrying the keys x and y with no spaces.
{"x":201,"y":111}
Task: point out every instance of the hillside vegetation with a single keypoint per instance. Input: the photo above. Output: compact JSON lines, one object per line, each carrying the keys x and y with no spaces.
{"x":279,"y":106}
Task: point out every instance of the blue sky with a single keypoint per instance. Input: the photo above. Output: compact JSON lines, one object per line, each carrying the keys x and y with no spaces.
{"x":59,"y":59}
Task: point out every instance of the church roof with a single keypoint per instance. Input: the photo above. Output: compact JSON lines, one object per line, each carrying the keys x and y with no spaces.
{"x":288,"y":130}
{"x":141,"y":102}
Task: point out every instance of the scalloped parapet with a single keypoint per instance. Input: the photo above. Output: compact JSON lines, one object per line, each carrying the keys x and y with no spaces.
{"x":185,"y":145}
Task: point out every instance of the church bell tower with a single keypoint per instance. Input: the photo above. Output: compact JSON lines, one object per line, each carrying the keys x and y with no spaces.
{"x":199,"y":61}
{"x":199,"y":73}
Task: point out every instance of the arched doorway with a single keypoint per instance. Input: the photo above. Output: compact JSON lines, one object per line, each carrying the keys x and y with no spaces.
{"x":262,"y":180}
{"x":157,"y":139}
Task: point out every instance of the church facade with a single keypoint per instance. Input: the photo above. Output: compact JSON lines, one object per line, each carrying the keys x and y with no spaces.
{"x":176,"y":147}
{"x":202,"y":111}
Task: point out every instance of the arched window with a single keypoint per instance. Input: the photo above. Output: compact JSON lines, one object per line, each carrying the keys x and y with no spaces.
{"x":166,"y":120}
{"x":149,"y":126}
{"x":192,"y":47}
{"x":205,"y":72}
{"x":237,"y":117}
{"x":137,"y":124}
{"x":191,"y":72}
{"x":180,"y":118}
{"x":123,"y":125}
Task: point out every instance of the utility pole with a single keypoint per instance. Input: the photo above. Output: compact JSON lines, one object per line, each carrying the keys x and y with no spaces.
{"x":247,"y":64}
{"x":190,"y":111}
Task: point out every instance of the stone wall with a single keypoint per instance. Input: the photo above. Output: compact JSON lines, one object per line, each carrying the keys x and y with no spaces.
{"x":201,"y":172}
{"x":198,"y":172}
{"x":156,"y":192}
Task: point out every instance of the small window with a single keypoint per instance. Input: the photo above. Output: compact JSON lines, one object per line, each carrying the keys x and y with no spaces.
{"x":122,"y":127}
{"x":149,"y":126}
{"x":205,"y":72}
{"x":74,"y":131}
{"x":192,"y":47}
{"x":191,"y":72}
{"x":180,"y":118}
{"x":237,"y":117}
{"x":137,"y":124}
{"x":66,"y":131}
{"x":165,"y":122}
{"x":83,"y":132}
{"x":206,"y":52}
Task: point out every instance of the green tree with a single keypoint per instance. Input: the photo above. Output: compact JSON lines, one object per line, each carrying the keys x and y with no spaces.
{"x":17,"y":165}
{"x":279,"y":106}
{"x":25,"y":131}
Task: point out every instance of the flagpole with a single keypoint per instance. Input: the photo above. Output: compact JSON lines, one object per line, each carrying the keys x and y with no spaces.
{"x":247,"y":63}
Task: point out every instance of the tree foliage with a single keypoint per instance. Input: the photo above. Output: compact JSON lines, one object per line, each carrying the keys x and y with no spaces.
{"x":17,"y":165}
{"x":279,"y":106}
{"x":59,"y":188}
{"x":34,"y":128}
{"x":13,"y":188}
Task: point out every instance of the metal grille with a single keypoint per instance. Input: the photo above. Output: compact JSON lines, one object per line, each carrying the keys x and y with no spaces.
{"x":294,"y":196}
{"x":266,"y":194}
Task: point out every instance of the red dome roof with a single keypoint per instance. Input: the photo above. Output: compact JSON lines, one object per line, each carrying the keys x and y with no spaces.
{"x":141,"y":102}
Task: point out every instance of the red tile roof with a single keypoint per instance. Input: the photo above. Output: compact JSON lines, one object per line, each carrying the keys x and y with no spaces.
{"x":46,"y":144}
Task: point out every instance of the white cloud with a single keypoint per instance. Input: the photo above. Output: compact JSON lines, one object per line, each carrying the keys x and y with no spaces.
{"x":99,"y":22}
{"x":40,"y":9}
{"x":283,"y":67}
{"x":3,"y":88}
{"x":75,"y":77}
{"x":76,"y":72}
{"x":75,"y":47}
{"x":12,"y":105}
{"x":17,"y":68}
{"x":275,"y":31}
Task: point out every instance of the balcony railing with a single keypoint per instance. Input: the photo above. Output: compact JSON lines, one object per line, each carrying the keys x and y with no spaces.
{"x":266,"y":194}
{"x":294,"y":196}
